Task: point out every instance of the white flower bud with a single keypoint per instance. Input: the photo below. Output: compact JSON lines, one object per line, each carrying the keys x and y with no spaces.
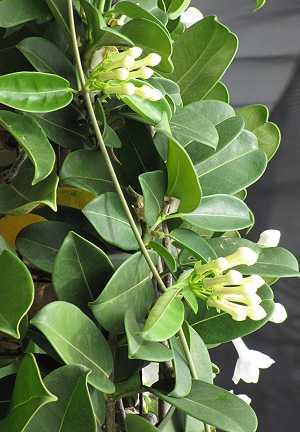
{"x":243,"y":256}
{"x":120,"y":74}
{"x":127,"y":89}
{"x":252,"y":283}
{"x":269,"y":238}
{"x":233,"y":277}
{"x":279,"y":314}
{"x":191,"y":16}
{"x":149,"y":93}
{"x":152,"y":60}
{"x":237,"y":312}
{"x":135,"y":52}
{"x":256,"y":313}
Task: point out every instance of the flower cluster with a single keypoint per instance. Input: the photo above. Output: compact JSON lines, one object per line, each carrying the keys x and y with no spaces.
{"x":230,"y":292}
{"x":119,"y":73}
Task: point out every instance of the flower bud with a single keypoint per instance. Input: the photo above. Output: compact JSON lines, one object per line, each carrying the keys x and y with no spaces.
{"x":152,"y":60}
{"x":143,"y":73}
{"x":120,"y":74}
{"x":127,"y":89}
{"x":256,"y":313}
{"x":149,"y":93}
{"x":121,"y":60}
{"x":279,"y":314}
{"x":135,"y":52}
{"x":233,"y":277}
{"x":237,"y":312}
{"x":253,"y":283}
{"x":216,"y":266}
{"x":243,"y":256}
{"x":191,"y":16}
{"x":269,"y":238}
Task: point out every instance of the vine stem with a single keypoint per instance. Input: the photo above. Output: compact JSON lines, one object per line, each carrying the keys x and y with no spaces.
{"x":115,"y":180}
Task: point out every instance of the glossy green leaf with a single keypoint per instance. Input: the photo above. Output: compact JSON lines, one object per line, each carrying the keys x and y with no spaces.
{"x":108,"y":217}
{"x":32,"y":138}
{"x":154,"y":186}
{"x":136,"y":423}
{"x":86,"y":169}
{"x":165,"y":318}
{"x":59,"y":9}
{"x":220,"y":213}
{"x":215,"y":406}
{"x":40,"y":242}
{"x":260,"y":4}
{"x":35,"y":91}
{"x":138,"y":348}
{"x":164,"y":253}
{"x":215,"y":327}
{"x":195,"y":244}
{"x":218,"y":92}
{"x":169,"y":88}
{"x":177,"y":7}
{"x":73,"y":409}
{"x":81,"y":270}
{"x":182,"y":178}
{"x":16,"y":12}
{"x":29,"y":396}
{"x":233,"y":168}
{"x":16,"y":293}
{"x":69,"y":339}
{"x":201,"y":56}
{"x":152,"y":38}
{"x":21,"y":197}
{"x":183,"y":379}
{"x":45,"y":56}
{"x":188,"y":124}
{"x":135,"y":10}
{"x":253,"y":115}
{"x":129,"y":287}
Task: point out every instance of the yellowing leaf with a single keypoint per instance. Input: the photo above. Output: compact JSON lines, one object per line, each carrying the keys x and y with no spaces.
{"x":10,"y":226}
{"x":72,"y":197}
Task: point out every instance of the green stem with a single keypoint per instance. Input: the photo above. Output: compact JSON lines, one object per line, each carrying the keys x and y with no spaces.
{"x":101,"y":6}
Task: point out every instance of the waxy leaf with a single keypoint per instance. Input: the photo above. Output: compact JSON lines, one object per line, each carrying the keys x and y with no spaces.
{"x":66,"y":328}
{"x":177,"y":7}
{"x":220,"y":213}
{"x":234,"y":167}
{"x":86,"y":169}
{"x":129,"y":287}
{"x":164,"y":253}
{"x":215,"y":406}
{"x":201,"y":56}
{"x":29,"y":396}
{"x":32,"y":138}
{"x":218,"y":92}
{"x":40,"y":242}
{"x":73,"y":409}
{"x":35,"y":91}
{"x":16,"y":12}
{"x":154,"y":186}
{"x":134,"y":10}
{"x":195,"y":244}
{"x":165,"y":318}
{"x":215,"y":327}
{"x":21,"y":197}
{"x":183,"y":379}
{"x":182,"y":178}
{"x":108,"y":217}
{"x":80,"y":271}
{"x":16,"y":293}
{"x":138,"y":348}
{"x":136,"y":423}
{"x":59,"y":9}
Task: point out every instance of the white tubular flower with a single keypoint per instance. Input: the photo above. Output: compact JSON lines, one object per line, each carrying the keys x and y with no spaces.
{"x":149,"y":93}
{"x":249,"y":363}
{"x":269,"y":238}
{"x":249,"y":300}
{"x":151,"y":60}
{"x":218,"y":266}
{"x":127,"y":89}
{"x":135,"y":52}
{"x":242,"y":256}
{"x":279,"y":314}
{"x":120,"y":74}
{"x":244,"y":397}
{"x":143,"y":73}
{"x":237,"y":312}
{"x":122,"y":60}
{"x":233,"y":277}
{"x":191,"y":16}
{"x":256,"y":312}
{"x":252,"y":283}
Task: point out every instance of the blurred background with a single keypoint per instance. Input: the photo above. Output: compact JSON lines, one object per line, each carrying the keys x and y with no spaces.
{"x":267,"y":70}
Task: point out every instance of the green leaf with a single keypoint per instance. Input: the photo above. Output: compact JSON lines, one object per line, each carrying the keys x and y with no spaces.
{"x":151,"y":37}
{"x":29,"y":396}
{"x":195,"y":244}
{"x":154,"y":186}
{"x":59,"y":9}
{"x":215,"y":327}
{"x":166,"y":317}
{"x":260,"y":4}
{"x":81,"y":270}
{"x":40,"y":242}
{"x":45,"y":56}
{"x":234,"y":167}
{"x":57,"y":127}
{"x":86,"y":169}
{"x":32,"y":138}
{"x":201,"y":56}
{"x":136,"y":423}
{"x":134,"y":10}
{"x":220,"y":213}
{"x":73,"y":409}
{"x":69,"y":339}
{"x":177,"y":7}
{"x":35,"y":91}
{"x":21,"y":197}
{"x":129,"y":287}
{"x":188,"y":124}
{"x":16,"y":293}
{"x":183,"y":379}
{"x":107,"y":215}
{"x":215,"y":406}
{"x":182,"y":178}
{"x":138,"y":348}
{"x":16,"y":12}
{"x":163,"y":252}
{"x":218,"y":92}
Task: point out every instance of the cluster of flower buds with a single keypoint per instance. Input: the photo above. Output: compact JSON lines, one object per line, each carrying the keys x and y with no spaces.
{"x":117,"y":72}
{"x":230,"y":292}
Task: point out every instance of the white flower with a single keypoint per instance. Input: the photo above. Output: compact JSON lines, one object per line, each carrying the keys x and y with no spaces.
{"x":249,"y":363}
{"x":269,"y":238}
{"x":279,"y":314}
{"x":150,"y":374}
{"x":191,"y":16}
{"x":244,"y":397}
